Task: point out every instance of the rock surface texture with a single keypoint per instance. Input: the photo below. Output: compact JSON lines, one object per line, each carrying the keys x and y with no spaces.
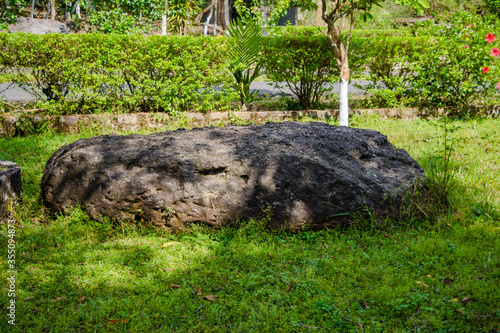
{"x":10,"y":185}
{"x":305,"y":173}
{"x":38,"y":26}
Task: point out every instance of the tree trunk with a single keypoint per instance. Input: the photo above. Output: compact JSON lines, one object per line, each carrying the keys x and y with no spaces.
{"x":340,"y":53}
{"x":226,"y":14}
{"x":204,"y":11}
{"x":164,"y":20}
{"x":264,"y":12}
{"x":215,"y":18}
{"x":32,"y":7}
{"x":53,"y":10}
{"x":77,"y":10}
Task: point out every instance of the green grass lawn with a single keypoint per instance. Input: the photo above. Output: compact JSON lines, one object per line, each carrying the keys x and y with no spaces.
{"x":78,"y":275}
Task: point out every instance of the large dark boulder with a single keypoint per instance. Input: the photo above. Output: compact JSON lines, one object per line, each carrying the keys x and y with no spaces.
{"x":310,"y":173}
{"x":10,"y":185}
{"x":38,"y":26}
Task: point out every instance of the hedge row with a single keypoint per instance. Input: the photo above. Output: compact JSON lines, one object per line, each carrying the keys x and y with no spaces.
{"x":86,"y":73}
{"x":110,"y":71}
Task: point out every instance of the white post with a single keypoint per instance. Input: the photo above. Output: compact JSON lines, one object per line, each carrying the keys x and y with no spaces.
{"x":226,"y":12}
{"x":163,"y":24}
{"x":164,"y":20}
{"x":344,"y":103}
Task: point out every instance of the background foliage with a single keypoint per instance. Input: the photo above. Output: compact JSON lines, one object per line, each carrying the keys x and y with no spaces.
{"x":82,"y":73}
{"x":95,"y":73}
{"x":303,"y":64}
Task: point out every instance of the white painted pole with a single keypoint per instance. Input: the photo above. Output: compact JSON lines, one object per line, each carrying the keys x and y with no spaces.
{"x":164,"y":20}
{"x":163,"y":24}
{"x":344,"y":103}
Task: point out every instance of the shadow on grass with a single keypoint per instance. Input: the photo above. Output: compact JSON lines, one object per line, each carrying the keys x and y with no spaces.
{"x":260,"y":280}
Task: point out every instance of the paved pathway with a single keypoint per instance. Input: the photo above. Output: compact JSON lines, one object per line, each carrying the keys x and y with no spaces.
{"x":265,"y":88}
{"x":14,"y":93}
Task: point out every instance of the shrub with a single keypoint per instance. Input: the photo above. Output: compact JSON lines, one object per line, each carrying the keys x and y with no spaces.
{"x":116,"y":21}
{"x":388,"y":61}
{"x":460,"y":66}
{"x":378,"y":33}
{"x":45,"y":66}
{"x":304,"y":64}
{"x":451,"y":65}
{"x":167,"y":74}
{"x":83,"y":72}
{"x":295,"y":30}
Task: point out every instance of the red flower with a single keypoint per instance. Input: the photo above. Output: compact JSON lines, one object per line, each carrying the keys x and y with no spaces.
{"x":495,"y":52}
{"x":466,"y":46}
{"x":466,"y":34}
{"x":485,"y":70}
{"x":498,"y":85}
{"x":490,"y":38}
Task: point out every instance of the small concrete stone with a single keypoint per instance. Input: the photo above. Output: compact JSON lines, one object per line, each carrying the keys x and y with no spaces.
{"x":10,"y":185}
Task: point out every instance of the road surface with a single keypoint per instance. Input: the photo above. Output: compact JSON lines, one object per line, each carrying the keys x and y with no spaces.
{"x":10,"y":92}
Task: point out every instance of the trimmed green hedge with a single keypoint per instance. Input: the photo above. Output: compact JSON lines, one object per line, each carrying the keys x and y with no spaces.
{"x":95,"y":73}
{"x":135,"y":73}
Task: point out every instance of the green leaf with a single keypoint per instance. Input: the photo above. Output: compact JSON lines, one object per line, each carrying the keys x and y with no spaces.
{"x":424,"y":4}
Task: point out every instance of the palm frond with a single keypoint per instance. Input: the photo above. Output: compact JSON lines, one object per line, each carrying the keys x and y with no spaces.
{"x":247,"y":44}
{"x":243,"y":54}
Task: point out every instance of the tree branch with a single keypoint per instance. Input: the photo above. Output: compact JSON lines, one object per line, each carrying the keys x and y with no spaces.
{"x":204,"y":11}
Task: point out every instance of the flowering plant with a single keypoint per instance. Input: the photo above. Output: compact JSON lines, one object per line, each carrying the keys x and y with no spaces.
{"x":462,"y":66}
